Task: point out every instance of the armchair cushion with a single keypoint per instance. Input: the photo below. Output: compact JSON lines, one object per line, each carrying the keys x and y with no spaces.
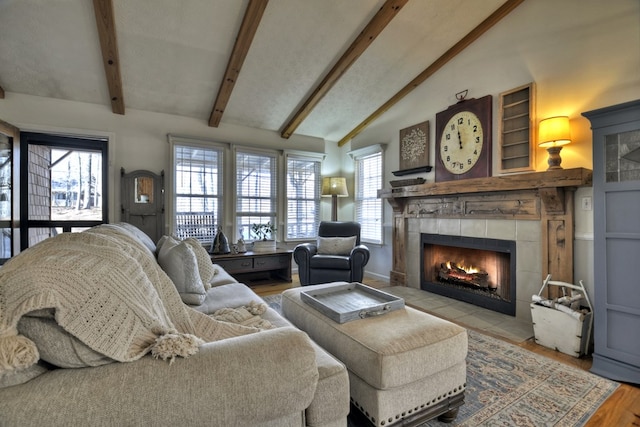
{"x":336,"y":245}
{"x":336,"y":262}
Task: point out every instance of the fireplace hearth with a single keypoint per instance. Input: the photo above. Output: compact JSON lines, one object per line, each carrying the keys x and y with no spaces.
{"x":479,"y":271}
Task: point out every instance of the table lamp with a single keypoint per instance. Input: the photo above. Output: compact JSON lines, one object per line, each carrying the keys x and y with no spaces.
{"x":553,"y":133}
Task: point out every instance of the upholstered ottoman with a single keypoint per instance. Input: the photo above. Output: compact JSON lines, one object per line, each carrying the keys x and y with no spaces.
{"x":404,"y":366}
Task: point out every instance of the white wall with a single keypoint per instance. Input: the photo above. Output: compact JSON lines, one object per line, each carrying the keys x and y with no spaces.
{"x":582,"y":55}
{"x":138,"y":139}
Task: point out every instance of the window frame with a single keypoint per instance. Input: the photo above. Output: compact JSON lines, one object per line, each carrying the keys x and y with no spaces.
{"x":98,"y":143}
{"x":223,"y":149}
{"x":272,"y":216}
{"x":310,"y":157}
{"x":358,"y":156}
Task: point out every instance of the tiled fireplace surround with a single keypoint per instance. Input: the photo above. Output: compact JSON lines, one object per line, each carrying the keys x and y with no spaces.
{"x":533,"y":209}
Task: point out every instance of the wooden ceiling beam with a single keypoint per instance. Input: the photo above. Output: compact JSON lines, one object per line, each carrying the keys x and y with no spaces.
{"x":248,"y":28}
{"x":109,"y":46}
{"x":378,"y":23}
{"x":484,"y":26}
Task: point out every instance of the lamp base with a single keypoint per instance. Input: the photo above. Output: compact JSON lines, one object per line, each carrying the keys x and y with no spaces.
{"x":554,"y":158}
{"x":334,"y":207}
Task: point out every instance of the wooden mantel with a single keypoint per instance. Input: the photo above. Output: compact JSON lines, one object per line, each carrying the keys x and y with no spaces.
{"x":558,"y":178}
{"x":543,"y":196}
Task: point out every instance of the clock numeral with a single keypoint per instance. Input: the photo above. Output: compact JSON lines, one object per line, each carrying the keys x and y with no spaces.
{"x":460,"y":121}
{"x":448,"y":158}
{"x":461,"y":166}
{"x":468,"y":161}
{"x":475,"y":128}
{"x":445,"y":148}
{"x":477,"y":140}
{"x":447,"y":136}
{"x":453,"y":126}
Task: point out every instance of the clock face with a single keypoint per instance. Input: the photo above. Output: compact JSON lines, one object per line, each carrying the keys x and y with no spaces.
{"x":461,"y":142}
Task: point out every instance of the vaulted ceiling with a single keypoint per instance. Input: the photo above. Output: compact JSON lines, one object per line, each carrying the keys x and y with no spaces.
{"x":323,"y":68}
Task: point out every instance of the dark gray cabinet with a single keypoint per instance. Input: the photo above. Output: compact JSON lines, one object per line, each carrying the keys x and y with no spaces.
{"x":142,"y":201}
{"x":616,"y":194}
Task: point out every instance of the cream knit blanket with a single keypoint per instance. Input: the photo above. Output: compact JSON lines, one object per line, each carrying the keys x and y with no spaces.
{"x":109,"y":292}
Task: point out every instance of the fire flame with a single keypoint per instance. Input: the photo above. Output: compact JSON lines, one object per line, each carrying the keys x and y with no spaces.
{"x":469,"y":270}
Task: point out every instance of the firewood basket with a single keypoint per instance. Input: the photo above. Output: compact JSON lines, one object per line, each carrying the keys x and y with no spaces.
{"x":559,"y":327}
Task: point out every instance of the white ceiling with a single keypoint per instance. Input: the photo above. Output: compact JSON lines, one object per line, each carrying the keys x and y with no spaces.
{"x":173,"y":55}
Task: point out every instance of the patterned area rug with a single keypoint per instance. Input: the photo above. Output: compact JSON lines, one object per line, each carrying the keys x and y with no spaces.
{"x":510,"y":386}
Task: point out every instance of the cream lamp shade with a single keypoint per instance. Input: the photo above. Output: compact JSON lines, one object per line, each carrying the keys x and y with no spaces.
{"x":334,"y":187}
{"x":553,"y":133}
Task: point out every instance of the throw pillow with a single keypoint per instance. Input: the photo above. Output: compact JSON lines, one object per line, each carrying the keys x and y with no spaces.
{"x":336,"y":245}
{"x":205,"y":266}
{"x":161,"y":242}
{"x":178,"y":260}
{"x":56,"y":345}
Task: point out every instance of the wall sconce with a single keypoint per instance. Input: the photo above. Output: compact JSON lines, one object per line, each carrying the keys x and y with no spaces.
{"x":334,"y":187}
{"x":553,"y":133}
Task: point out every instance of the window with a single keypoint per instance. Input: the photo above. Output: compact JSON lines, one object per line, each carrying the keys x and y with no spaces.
{"x":368,"y":207}
{"x":66,"y":185}
{"x":197,"y":190}
{"x":256,"y":190}
{"x":7,"y":236}
{"x":303,"y":183}
{"x":229,"y":187}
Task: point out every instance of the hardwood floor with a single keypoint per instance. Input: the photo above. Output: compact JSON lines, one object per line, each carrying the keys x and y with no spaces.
{"x":622,"y":409}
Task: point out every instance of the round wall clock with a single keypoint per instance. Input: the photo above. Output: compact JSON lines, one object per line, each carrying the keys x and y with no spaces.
{"x":463,"y":140}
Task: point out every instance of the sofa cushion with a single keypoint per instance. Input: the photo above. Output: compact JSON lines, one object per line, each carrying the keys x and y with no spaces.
{"x":178,"y":260}
{"x":336,"y":245}
{"x":139,"y":234}
{"x":57,"y":346}
{"x":230,"y":295}
{"x":221,"y":277}
{"x":21,"y":376}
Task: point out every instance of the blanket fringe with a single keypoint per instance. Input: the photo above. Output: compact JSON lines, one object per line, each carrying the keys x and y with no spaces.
{"x":17,"y":352}
{"x":170,"y":345}
{"x":247,"y":315}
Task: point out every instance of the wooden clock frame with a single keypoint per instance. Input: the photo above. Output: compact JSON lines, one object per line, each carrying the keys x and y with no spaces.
{"x":482,"y":108}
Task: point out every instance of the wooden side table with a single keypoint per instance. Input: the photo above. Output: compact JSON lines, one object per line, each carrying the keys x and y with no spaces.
{"x":248,"y":266}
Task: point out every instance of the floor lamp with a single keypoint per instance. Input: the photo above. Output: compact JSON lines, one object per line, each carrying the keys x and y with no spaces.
{"x":334,"y":187}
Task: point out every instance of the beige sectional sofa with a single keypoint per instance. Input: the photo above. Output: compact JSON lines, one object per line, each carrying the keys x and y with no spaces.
{"x":236,"y":376}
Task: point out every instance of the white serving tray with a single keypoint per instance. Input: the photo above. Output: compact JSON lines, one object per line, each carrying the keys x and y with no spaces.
{"x":350,"y":301}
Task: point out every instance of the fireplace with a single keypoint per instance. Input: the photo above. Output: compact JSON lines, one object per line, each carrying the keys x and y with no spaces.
{"x":479,"y":271}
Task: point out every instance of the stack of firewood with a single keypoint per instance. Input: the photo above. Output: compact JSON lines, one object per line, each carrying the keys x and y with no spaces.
{"x":452,"y":272}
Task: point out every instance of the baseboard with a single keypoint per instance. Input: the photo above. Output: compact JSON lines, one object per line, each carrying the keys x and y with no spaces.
{"x":377,"y":276}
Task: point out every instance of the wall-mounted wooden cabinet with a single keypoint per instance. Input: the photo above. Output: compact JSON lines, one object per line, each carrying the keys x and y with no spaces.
{"x":516,"y":135}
